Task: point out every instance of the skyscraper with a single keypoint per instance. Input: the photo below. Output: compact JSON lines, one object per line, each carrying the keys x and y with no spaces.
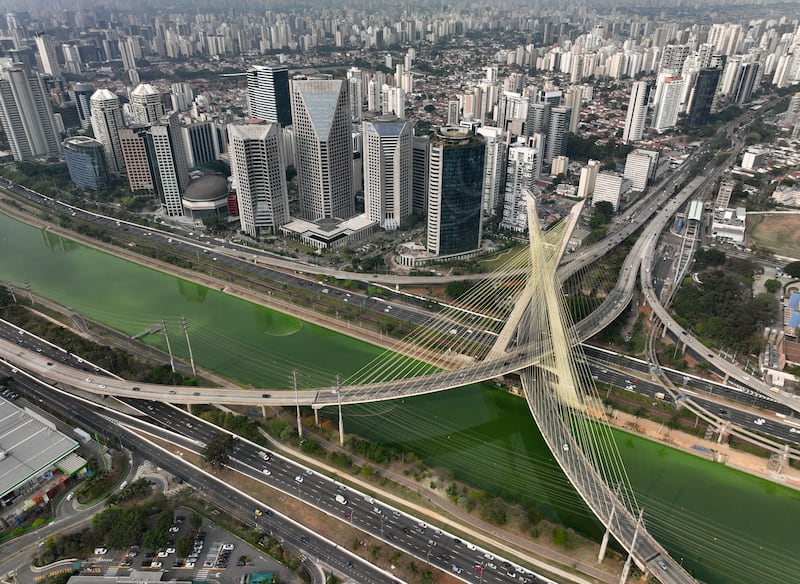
{"x":146,"y":104}
{"x":47,"y":55}
{"x":703,"y":96}
{"x":455,"y":180}
{"x":388,"y":147}
{"x":419,"y":184}
{"x":268,"y":93}
{"x":86,"y":162}
{"x":137,"y":166}
{"x":522,"y":170}
{"x":668,"y":100}
{"x":492,"y":168}
{"x":27,"y":115}
{"x":257,"y":168}
{"x":637,"y":112}
{"x":166,"y":156}
{"x":106,"y":116}
{"x":557,"y":131}
{"x":82,"y":93}
{"x":323,"y":152}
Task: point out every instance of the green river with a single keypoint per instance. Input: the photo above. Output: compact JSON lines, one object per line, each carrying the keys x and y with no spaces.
{"x":726,"y":525}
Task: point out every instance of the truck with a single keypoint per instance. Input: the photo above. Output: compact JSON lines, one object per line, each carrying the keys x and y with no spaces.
{"x":660,"y":395}
{"x":82,"y":434}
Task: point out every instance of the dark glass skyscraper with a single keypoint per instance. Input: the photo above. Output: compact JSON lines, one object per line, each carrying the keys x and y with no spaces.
{"x":704,"y":89}
{"x":455,"y":192}
{"x":268,"y":93}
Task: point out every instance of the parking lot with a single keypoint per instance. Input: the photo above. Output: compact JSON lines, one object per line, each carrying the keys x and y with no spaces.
{"x":215,"y":555}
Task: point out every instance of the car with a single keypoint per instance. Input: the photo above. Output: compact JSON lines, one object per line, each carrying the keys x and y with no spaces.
{"x":190,"y":564}
{"x":157,"y":565}
{"x":266,"y":471}
{"x":491,"y":565}
{"x":228,"y":546}
{"x":376,"y":510}
{"x":264,"y":455}
{"x":189,"y":425}
{"x":259,"y":512}
{"x":471,"y":547}
{"x":174,"y":529}
{"x":265,"y":395}
{"x":132,"y":554}
{"x":136,"y":388}
{"x":100,"y":551}
{"x":662,"y":565}
{"x":88,"y":380}
{"x":162,"y":554}
{"x":511,"y":574}
{"x":488,"y":556}
{"x":196,"y":394}
{"x":170,"y":550}
{"x":298,"y":479}
{"x":101,"y":386}
{"x":794,"y":431}
{"x":125,"y":563}
{"x":456,"y":569}
{"x":150,"y":555}
{"x":478,"y":568}
{"x":208,"y":564}
{"x":172,"y":392}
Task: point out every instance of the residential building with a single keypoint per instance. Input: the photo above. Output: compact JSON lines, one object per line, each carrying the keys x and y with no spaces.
{"x":640,"y":166}
{"x":388,"y":159}
{"x":522,"y":171}
{"x":609,"y":187}
{"x":134,"y":153}
{"x":27,"y":115}
{"x":106,"y":117}
{"x":637,"y":112}
{"x":587,"y":179}
{"x":268,"y":93}
{"x":492,"y":169}
{"x":557,"y":130}
{"x":46,"y":46}
{"x":455,"y":180}
{"x":259,"y":179}
{"x":323,"y":152}
{"x":667,"y":103}
{"x":166,"y":156}
{"x":86,"y":162}
{"x":82,"y":94}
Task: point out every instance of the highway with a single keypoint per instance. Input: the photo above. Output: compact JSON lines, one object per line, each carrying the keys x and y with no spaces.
{"x":185,"y":432}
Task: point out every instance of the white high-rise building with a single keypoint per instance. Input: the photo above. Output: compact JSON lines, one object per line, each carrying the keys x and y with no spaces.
{"x":637,"y":112}
{"x":609,"y":187}
{"x":257,"y":168}
{"x":522,"y":171}
{"x":268,"y":93}
{"x":72,"y":58}
{"x":588,"y":178}
{"x":27,"y":115}
{"x":323,"y":148}
{"x":639,"y":168}
{"x":667,"y":102}
{"x":45,"y":44}
{"x":166,"y":155}
{"x":106,"y":124}
{"x":388,"y":150}
{"x":355,"y":94}
{"x":146,"y":104}
{"x":492,"y":168}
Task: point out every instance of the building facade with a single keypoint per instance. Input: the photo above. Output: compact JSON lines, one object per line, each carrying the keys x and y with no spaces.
{"x":257,"y":168}
{"x":455,"y":180}
{"x":388,"y":176}
{"x":323,"y":148}
{"x":86,"y":162}
{"x":637,"y":112}
{"x":107,"y":121}
{"x":268,"y":93}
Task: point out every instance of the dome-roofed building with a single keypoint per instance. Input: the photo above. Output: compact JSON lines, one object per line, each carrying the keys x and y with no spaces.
{"x":207,"y":196}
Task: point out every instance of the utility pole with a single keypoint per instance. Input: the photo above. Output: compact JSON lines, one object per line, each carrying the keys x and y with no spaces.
{"x":13,"y":294}
{"x":169,"y":347}
{"x":185,"y":325}
{"x":30,"y":290}
{"x":297,"y":404}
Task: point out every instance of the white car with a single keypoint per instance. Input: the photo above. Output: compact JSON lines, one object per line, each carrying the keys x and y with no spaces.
{"x":298,"y":479}
{"x":162,"y":554}
{"x":267,"y":472}
{"x":228,"y":546}
{"x":190,"y":564}
{"x":101,"y":551}
{"x":170,"y":550}
{"x":156,"y":565}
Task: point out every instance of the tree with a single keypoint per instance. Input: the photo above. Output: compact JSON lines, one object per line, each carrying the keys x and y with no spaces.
{"x":793,"y":269}
{"x":772,"y":286}
{"x":430,"y":108}
{"x":457,"y":288}
{"x":604,"y":210}
{"x":218,"y":450}
{"x":196,"y":520}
